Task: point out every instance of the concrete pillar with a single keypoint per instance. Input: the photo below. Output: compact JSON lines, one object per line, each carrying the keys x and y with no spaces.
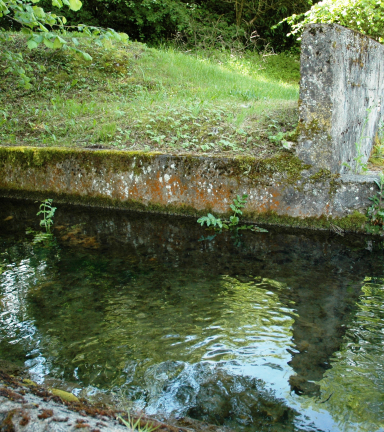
{"x":341,"y":91}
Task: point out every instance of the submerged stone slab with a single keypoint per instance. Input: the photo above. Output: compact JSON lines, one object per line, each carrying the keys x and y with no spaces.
{"x":341,"y":91}
{"x":281,"y":189}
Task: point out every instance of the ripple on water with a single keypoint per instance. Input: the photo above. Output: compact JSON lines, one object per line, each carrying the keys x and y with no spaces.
{"x":225,"y":335}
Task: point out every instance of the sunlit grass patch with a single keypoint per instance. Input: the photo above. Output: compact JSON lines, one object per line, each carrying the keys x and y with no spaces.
{"x":133,"y":97}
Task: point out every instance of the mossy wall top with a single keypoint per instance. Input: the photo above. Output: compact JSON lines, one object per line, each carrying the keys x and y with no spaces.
{"x":278,"y":187}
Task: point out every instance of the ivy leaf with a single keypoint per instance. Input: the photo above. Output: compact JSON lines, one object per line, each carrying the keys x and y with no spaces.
{"x":48,"y":43}
{"x":32,"y":44}
{"x":39,"y":12}
{"x":86,"y":56}
{"x":44,"y":29}
{"x":57,"y":43}
{"x":75,"y":5}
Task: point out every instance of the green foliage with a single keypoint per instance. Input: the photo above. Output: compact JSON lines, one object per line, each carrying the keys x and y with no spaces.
{"x":375,"y":213}
{"x":233,"y":223}
{"x":365,"y":16}
{"x":48,"y":213}
{"x":46,"y":28}
{"x":223,"y":24}
{"x":360,"y":165}
{"x":136,"y":425}
{"x":210,"y":220}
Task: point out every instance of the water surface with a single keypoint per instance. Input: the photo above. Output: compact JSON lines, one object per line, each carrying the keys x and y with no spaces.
{"x":279,"y":331}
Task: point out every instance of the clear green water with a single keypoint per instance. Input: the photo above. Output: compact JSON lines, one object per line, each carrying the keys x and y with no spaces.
{"x":284,"y":332}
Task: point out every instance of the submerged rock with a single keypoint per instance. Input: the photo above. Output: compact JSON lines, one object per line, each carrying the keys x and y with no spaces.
{"x":26,"y":406}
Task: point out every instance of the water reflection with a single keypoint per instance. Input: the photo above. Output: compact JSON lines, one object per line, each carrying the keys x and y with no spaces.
{"x":356,"y":380}
{"x":257,"y":337}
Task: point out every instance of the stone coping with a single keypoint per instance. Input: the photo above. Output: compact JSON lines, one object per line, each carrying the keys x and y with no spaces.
{"x":281,"y":189}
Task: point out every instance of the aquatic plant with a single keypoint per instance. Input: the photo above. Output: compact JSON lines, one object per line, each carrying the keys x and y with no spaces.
{"x":375,"y":213}
{"x":136,"y":426}
{"x":233,"y":223}
{"x":48,"y":212}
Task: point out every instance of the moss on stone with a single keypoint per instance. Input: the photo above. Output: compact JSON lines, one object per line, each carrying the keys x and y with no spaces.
{"x":324,"y":175}
{"x":315,"y":127}
{"x":285,"y":166}
{"x":113,"y":160}
{"x":353,"y":222}
{"x":356,"y":222}
{"x":66,"y":396}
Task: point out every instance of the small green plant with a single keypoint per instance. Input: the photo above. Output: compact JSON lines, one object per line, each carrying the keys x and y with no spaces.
{"x":360,"y":165}
{"x":136,"y":426}
{"x":48,"y":212}
{"x":233,"y":223}
{"x":375,"y":213}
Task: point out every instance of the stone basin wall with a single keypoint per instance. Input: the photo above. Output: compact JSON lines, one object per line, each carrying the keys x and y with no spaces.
{"x":280,"y":189}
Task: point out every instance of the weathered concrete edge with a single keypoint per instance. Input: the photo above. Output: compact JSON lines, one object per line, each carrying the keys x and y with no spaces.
{"x":282,"y":190}
{"x":341,"y":90}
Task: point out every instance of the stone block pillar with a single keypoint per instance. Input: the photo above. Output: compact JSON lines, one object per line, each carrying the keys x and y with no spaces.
{"x":341,"y":93}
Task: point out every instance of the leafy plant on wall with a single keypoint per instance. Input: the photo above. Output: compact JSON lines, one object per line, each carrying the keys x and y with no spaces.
{"x":233,"y":224}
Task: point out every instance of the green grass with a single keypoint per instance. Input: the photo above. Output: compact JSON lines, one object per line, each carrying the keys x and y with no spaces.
{"x":134,"y":97}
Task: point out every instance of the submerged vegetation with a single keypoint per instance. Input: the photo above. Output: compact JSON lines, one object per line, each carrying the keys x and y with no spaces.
{"x":48,"y":212}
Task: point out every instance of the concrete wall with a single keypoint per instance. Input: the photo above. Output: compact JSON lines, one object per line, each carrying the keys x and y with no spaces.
{"x":341,"y":91}
{"x":280,"y":186}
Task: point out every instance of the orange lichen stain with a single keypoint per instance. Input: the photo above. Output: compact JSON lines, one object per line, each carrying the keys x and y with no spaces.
{"x":80,"y":423}
{"x":269,"y":201}
{"x":213,"y":196}
{"x":24,"y":418}
{"x":11,"y":395}
{"x":46,"y":413}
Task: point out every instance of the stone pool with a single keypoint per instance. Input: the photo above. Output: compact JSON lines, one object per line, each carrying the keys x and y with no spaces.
{"x":277,"y":331}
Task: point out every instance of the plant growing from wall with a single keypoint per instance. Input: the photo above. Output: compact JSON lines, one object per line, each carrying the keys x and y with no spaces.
{"x":375,"y":213}
{"x":360,"y":165}
{"x":233,"y":224}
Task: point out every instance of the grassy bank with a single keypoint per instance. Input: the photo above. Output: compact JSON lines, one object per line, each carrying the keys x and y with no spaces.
{"x":133,"y":97}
